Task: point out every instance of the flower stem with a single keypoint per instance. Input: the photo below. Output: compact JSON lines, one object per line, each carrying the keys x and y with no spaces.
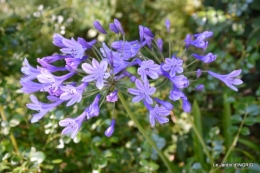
{"x":147,"y":137}
{"x":200,"y":139}
{"x":12,"y":138}
{"x":234,"y":143}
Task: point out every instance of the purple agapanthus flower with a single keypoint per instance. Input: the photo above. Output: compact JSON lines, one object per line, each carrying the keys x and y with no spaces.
{"x":119,"y":26}
{"x":180,"y":81}
{"x":157,"y":114}
{"x":110,"y":130}
{"x":76,"y":48}
{"x":203,"y":35}
{"x":71,"y":93}
{"x":143,"y":91}
{"x":54,"y":58}
{"x":74,"y":62}
{"x":167,"y":24}
{"x":148,"y":68}
{"x":112,"y":97}
{"x":29,"y":87}
{"x":126,"y":49}
{"x":93,"y":110}
{"x":72,"y":125}
{"x":113,"y":28}
{"x":199,"y":87}
{"x":160,"y":44}
{"x":229,"y":79}
{"x":165,"y":104}
{"x":199,"y":43}
{"x":29,"y":71}
{"x":187,"y":40}
{"x":186,"y":104}
{"x":198,"y":73}
{"x":175,"y":94}
{"x":52,"y":82}
{"x":210,"y":57}
{"x":49,"y":67}
{"x":174,"y":65}
{"x":42,"y":108}
{"x":99,"y":27}
{"x":146,"y":33}
{"x":97,"y":72}
{"x":57,"y":40}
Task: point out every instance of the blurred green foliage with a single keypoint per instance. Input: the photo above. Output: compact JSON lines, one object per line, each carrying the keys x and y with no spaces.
{"x":26,"y":28}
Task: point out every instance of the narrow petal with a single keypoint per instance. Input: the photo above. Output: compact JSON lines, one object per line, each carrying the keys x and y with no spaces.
{"x":139,"y":84}
{"x":100,"y":83}
{"x":237,"y":82}
{"x":134,"y":91}
{"x":66,"y":130}
{"x":137,"y":98}
{"x":88,"y":68}
{"x":152,"y":120}
{"x":33,"y":106}
{"x":66,"y":122}
{"x":149,"y":99}
{"x":151,"y":90}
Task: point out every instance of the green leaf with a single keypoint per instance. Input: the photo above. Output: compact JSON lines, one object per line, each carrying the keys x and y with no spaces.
{"x":245,"y":131}
{"x":253,"y":110}
{"x":232,"y":129}
{"x":250,"y":121}
{"x":196,"y":165}
{"x":102,"y":162}
{"x":236,"y":119}
{"x":56,"y":161}
{"x":38,"y":157}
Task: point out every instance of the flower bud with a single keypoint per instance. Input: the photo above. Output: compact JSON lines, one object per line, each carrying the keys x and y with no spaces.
{"x":110,"y":130}
{"x":99,"y":27}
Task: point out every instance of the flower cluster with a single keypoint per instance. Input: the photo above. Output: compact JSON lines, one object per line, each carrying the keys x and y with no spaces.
{"x":105,"y":72}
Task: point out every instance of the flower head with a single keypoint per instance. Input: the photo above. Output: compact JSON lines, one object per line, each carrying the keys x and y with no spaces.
{"x":93,"y":110}
{"x":148,"y":68}
{"x":142,"y":92}
{"x":180,"y":81}
{"x":29,"y":72}
{"x":174,"y":65}
{"x":157,"y":114}
{"x":203,"y":35}
{"x":97,"y":72}
{"x":41,"y":108}
{"x":112,"y":97}
{"x":72,"y":125}
{"x":165,"y":104}
{"x":229,"y":79}
{"x":71,"y":93}
{"x":76,"y":48}
{"x":57,"y":40}
{"x":210,"y":57}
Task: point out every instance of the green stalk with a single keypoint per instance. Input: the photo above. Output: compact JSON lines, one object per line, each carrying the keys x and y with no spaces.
{"x":196,"y":131}
{"x":234,"y":143}
{"x":12,"y":138}
{"x":226,"y":122}
{"x":146,"y":136}
{"x":197,"y":122}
